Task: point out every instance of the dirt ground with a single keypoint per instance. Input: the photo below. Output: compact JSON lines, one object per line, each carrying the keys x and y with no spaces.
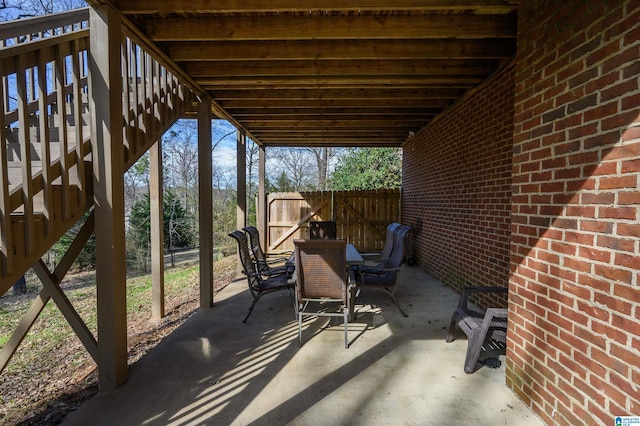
{"x":58,"y":385}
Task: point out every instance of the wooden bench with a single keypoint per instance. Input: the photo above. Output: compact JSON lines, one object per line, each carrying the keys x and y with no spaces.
{"x":478,"y":326}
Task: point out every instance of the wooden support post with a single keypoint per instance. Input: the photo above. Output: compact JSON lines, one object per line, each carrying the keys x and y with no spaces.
{"x":241,"y":210}
{"x":108,"y":189}
{"x":205,"y":203}
{"x":157,"y":231}
{"x":261,"y":207}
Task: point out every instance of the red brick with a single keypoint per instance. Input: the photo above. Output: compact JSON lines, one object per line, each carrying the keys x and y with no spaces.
{"x":581,"y":211}
{"x":618,"y":182}
{"x":587,"y":389}
{"x":607,"y":198}
{"x":584,"y":158}
{"x":627,"y":261}
{"x":631,"y":293}
{"x":614,"y":92}
{"x":603,"y":168}
{"x":624,"y":354}
{"x":563,"y":248}
{"x":596,"y":284}
{"x":630,"y":102}
{"x":626,"y":198}
{"x":598,"y":226}
{"x":628,"y":150}
{"x":600,"y":416}
{"x":594,"y":254}
{"x":614,"y":303}
{"x":628,"y":230}
{"x":612,"y":333}
{"x":579,"y":238}
{"x":631,"y":166}
{"x":583,"y":320}
{"x":630,"y":134}
{"x":622,"y":383}
{"x":593,"y":311}
{"x":628,"y":213}
{"x":606,"y":388}
{"x":619,"y":244}
{"x":577,"y":264}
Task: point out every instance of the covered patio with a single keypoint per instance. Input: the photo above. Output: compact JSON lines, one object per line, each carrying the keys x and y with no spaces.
{"x":217,"y":370}
{"x":519,"y":123}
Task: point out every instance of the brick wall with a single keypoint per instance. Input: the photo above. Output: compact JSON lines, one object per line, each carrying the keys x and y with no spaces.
{"x":574,"y":337}
{"x":457,"y":180}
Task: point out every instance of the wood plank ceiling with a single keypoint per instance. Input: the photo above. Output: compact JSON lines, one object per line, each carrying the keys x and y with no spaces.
{"x":339,"y":72}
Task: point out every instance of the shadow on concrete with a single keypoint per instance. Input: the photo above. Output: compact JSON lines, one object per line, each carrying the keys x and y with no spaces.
{"x":216,"y":370}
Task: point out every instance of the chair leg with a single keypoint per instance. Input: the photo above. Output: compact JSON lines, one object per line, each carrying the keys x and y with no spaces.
{"x":299,"y":329}
{"x":452,"y":327}
{"x":390,"y":292}
{"x":399,"y":308}
{"x":250,"y":310}
{"x":473,"y":350}
{"x":293,"y":300}
{"x":346,"y":322}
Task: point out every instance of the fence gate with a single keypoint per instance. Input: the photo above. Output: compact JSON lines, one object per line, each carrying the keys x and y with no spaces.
{"x":361,"y":216}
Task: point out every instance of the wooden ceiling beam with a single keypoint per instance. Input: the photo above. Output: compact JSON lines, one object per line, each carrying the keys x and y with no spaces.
{"x":340,"y":49}
{"x":320,"y":124}
{"x":390,"y":132}
{"x":364,"y":113}
{"x":267,"y":6}
{"x":367,"y":94}
{"x":380,"y":84}
{"x":331,"y":27}
{"x":328,"y":104}
{"x":328,"y":81}
{"x":258,"y":69}
{"x":373,"y":141}
{"x":249,"y":118}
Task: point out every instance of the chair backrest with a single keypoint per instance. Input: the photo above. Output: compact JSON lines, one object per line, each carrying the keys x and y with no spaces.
{"x":388,"y":243}
{"x":400,"y":244}
{"x":321,"y":269}
{"x":325,"y":230}
{"x":245,"y":258}
{"x":256,"y":248}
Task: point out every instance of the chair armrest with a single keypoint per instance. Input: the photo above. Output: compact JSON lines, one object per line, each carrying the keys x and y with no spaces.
{"x":492,"y":313}
{"x":379,"y":271}
{"x":492,"y":318}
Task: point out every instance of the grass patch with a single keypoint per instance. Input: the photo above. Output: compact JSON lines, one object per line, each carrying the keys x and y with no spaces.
{"x":51,"y":359}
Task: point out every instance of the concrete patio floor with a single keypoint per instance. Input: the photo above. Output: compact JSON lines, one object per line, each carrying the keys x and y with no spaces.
{"x":216,"y":370}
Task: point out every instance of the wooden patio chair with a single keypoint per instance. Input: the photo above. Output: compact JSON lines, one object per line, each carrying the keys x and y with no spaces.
{"x":480,"y":327}
{"x":321,"y":277}
{"x":264,"y":265}
{"x":259,"y":285}
{"x":324,"y":230}
{"x":385,"y":274}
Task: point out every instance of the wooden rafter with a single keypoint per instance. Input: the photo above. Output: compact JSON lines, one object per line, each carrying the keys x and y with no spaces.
{"x":352,"y":49}
{"x":261,"y":60}
{"x":331,"y":27}
{"x":266,"y":6}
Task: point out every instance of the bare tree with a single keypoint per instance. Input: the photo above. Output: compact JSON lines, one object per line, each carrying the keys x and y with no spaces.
{"x":298,"y":164}
{"x":181,"y":162}
{"x":18,"y":9}
{"x":323,"y":157}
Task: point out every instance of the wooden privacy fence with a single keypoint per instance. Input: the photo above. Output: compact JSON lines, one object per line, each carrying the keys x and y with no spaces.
{"x":361,"y":216}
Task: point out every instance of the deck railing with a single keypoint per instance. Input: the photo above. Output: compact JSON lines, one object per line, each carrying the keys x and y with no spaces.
{"x":45,"y":180}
